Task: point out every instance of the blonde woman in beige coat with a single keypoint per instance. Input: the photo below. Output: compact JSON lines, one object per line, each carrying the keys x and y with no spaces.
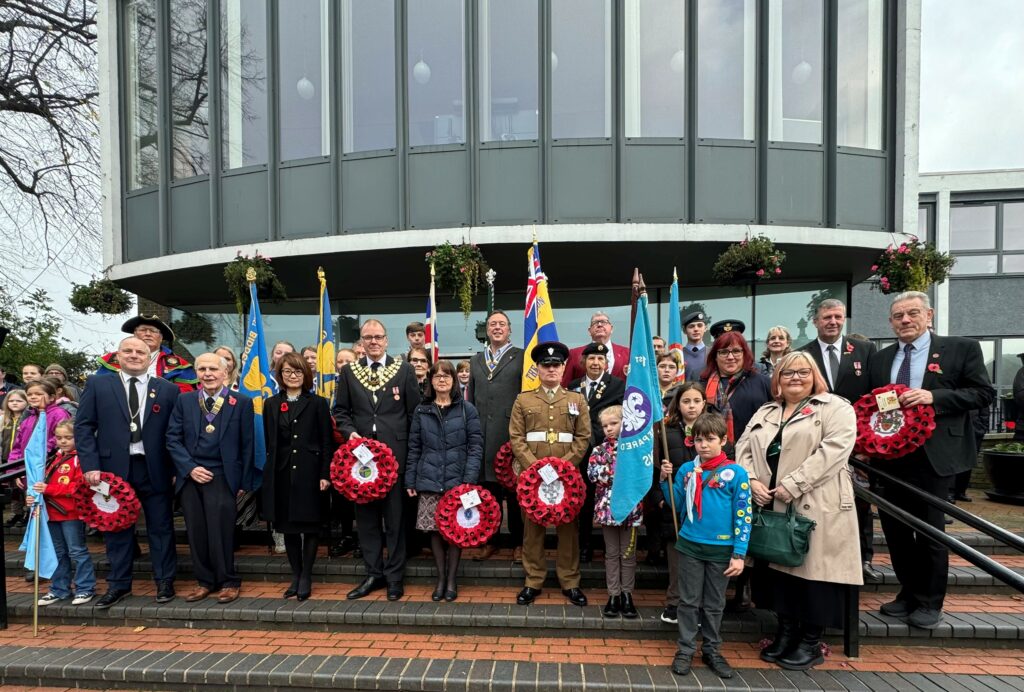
{"x":795,"y":449}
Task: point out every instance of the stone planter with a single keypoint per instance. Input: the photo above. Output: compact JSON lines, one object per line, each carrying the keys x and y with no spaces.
{"x":1006,"y":471}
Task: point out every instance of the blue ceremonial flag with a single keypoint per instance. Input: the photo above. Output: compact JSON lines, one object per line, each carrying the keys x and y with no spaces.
{"x":641,"y":409}
{"x":675,"y":328}
{"x":326,"y":371}
{"x":539,"y":322}
{"x":256,"y":380}
{"x":35,"y":472}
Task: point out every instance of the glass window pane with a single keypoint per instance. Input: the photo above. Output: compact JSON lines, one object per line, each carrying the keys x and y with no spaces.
{"x":988,"y":355}
{"x":922,"y":223}
{"x":581,"y":68}
{"x":1013,"y":264}
{"x":727,"y":36}
{"x":791,"y":306}
{"x":1013,"y":226}
{"x":795,"y":74}
{"x":304,"y":88}
{"x":436,"y":73}
{"x":975,"y":264}
{"x":243,"y":85}
{"x":718,"y":303}
{"x":655,"y":68}
{"x":368,"y":66}
{"x":860,"y":81}
{"x":508,"y":70}
{"x":140,"y":95}
{"x":1009,"y":364}
{"x":190,"y":91}
{"x":972,"y":227}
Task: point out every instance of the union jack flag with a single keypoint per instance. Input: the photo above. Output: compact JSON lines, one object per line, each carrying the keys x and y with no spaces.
{"x":430,"y":335}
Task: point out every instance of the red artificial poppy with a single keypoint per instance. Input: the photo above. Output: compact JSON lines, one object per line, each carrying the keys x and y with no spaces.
{"x":232,"y":400}
{"x":688,"y":440}
{"x":284,"y":406}
{"x":1010,"y":425}
{"x":156,"y":408}
{"x":503,"y":470}
{"x":895,"y":434}
{"x":934,"y":367}
{"x":551,"y":504}
{"x":114,"y":512}
{"x":806,"y":411}
{"x":360,"y":482}
{"x":471,"y":527}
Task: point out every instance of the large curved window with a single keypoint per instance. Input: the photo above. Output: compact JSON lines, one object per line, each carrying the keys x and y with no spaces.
{"x":726,"y":68}
{"x":436,"y":72}
{"x":581,"y":68}
{"x":190,"y":89}
{"x":368,"y":75}
{"x":303,"y":79}
{"x":859,"y":84}
{"x":508,"y":70}
{"x":795,"y":70}
{"x":655,"y":53}
{"x":143,"y":164}
{"x":243,"y":82}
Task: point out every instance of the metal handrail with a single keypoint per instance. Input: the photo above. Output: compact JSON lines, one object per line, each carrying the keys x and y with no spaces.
{"x":995,"y":531}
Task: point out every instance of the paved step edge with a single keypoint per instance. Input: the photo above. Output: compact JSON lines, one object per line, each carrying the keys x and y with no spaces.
{"x":179,"y":670}
{"x":998,"y":629}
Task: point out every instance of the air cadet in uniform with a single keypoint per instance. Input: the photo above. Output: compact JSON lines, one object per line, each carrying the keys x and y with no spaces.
{"x":695,"y":351}
{"x":550,"y":421}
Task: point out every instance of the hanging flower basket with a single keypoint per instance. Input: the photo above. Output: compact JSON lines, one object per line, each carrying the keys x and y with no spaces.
{"x":101,"y":297}
{"x":749,"y":261}
{"x":554,"y":503}
{"x":503,"y":466}
{"x":459,"y":269}
{"x":364,"y":482}
{"x":267,"y":283}
{"x":193,"y":328}
{"x":116,"y":511}
{"x":891,"y":434}
{"x":467,"y":527}
{"x":911,"y":266}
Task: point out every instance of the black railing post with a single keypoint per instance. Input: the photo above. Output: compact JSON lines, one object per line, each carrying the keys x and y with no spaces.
{"x":851,"y":622}
{"x":5,"y":496}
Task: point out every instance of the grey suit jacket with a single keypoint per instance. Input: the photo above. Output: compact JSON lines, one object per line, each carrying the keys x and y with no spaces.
{"x":493,"y":394}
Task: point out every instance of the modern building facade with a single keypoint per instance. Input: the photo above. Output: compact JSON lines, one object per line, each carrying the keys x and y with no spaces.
{"x":358,"y":134}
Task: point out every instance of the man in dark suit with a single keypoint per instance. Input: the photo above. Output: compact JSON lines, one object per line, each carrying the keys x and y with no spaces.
{"x":376,"y":397}
{"x":495,"y":380}
{"x":949,"y":373}
{"x":844,"y":362}
{"x":601,"y":391}
{"x":120,"y":428}
{"x":210,"y":438}
{"x":600,"y":332}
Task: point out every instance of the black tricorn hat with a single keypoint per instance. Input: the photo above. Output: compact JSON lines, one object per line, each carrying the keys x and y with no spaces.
{"x":134,"y":323}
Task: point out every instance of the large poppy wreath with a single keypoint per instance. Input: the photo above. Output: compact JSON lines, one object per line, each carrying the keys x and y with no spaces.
{"x":467,"y":527}
{"x":503,"y":466}
{"x":554,"y":503}
{"x":364,"y":482}
{"x":115,"y":511}
{"x":894,"y":433}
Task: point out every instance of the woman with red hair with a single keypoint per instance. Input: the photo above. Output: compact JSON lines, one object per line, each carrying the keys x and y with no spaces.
{"x":733,"y":386}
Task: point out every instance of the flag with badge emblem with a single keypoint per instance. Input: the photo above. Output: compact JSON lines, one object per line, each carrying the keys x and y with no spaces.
{"x":256,"y":380}
{"x":326,"y":370}
{"x":539,"y":322}
{"x":45,"y":560}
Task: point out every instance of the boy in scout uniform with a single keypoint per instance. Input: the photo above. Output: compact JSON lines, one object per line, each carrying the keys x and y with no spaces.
{"x":550,"y":421}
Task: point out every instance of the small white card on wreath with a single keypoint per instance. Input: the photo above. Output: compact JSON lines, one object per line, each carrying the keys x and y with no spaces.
{"x":103,"y":488}
{"x":887,"y":401}
{"x":364,"y":455}
{"x":548,"y":474}
{"x":470,"y":499}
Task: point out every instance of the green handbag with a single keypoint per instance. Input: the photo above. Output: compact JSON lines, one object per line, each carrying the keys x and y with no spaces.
{"x":780,"y":537}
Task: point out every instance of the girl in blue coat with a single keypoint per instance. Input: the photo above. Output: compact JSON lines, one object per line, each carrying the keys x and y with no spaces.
{"x":445,"y":450}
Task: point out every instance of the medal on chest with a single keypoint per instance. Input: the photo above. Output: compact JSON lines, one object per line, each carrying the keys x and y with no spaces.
{"x":209,"y":413}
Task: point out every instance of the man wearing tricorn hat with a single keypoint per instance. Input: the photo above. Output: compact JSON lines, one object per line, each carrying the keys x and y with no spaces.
{"x":550,"y":421}
{"x":162,"y":360}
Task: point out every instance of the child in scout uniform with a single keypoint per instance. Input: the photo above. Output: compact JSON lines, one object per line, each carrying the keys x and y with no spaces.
{"x":63,"y":477}
{"x":712,"y":498}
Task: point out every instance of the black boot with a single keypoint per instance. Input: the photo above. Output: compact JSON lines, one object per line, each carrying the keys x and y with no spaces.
{"x":627,"y":607}
{"x":293,"y":548}
{"x":310,"y":543}
{"x":612,"y":607}
{"x":807,"y":652}
{"x":786,"y":637}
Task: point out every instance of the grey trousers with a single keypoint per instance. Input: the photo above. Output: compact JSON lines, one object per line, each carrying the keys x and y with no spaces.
{"x":619,"y":569}
{"x":701,"y":588}
{"x":672,"y":592}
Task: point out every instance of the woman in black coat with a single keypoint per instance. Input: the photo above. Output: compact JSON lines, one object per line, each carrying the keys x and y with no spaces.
{"x":446,"y":447}
{"x":297,"y":427}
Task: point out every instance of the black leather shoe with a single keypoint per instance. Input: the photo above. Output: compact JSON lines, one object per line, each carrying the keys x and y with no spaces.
{"x":628,"y":609}
{"x":451,"y":594}
{"x":896,"y":609}
{"x":164,"y":591}
{"x":870,"y":573}
{"x":611,"y":608}
{"x":526,"y":596}
{"x":395,"y":590}
{"x":293,"y":588}
{"x":925,"y":618}
{"x":718,"y":665}
{"x":111,"y":597}
{"x":586,"y":556}
{"x":963,"y":498}
{"x":575,"y":596}
{"x":681,"y":664}
{"x":343,"y":547}
{"x":369,"y":585}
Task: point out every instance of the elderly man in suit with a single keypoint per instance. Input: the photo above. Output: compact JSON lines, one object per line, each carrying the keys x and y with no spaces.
{"x":495,"y":380}
{"x":120,"y":428}
{"x":600,"y":331}
{"x":210,"y":438}
{"x":375,"y":398}
{"x":844,"y":364}
{"x":949,"y":373}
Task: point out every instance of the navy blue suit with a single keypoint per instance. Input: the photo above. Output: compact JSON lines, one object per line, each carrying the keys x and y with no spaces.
{"x":103,"y":438}
{"x":234,"y":426}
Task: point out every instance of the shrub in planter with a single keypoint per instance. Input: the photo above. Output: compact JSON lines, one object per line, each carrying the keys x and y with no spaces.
{"x":749,"y":261}
{"x":1004,"y":464}
{"x":100,"y":296}
{"x":912,"y":266}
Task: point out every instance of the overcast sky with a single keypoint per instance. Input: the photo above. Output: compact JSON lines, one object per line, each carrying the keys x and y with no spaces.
{"x":972,"y":113}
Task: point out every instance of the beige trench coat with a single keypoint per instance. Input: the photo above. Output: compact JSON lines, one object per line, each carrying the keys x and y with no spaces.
{"x":813,"y":468}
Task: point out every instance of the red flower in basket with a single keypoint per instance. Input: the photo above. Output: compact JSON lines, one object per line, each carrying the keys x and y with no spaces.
{"x":934,"y":367}
{"x":555,"y":503}
{"x":364,"y":482}
{"x":503,"y":470}
{"x":284,"y":406}
{"x":156,"y":408}
{"x":467,"y":527}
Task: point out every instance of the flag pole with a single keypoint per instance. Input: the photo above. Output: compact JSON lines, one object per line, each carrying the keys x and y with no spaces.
{"x":35,"y":598}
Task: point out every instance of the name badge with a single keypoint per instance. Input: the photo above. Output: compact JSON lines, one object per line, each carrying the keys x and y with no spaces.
{"x":470,"y":499}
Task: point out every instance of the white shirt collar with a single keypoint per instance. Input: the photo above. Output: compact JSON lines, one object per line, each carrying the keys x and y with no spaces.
{"x":143,"y":378}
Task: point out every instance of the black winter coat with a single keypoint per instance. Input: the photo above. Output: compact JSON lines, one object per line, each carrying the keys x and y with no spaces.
{"x":306,"y":461}
{"x":444,"y":451}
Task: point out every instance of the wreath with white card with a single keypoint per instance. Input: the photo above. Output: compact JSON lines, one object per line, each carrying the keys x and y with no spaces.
{"x":110,"y":506}
{"x":886,"y":430}
{"x":551,"y":491}
{"x":467,"y":515}
{"x":364,"y":470}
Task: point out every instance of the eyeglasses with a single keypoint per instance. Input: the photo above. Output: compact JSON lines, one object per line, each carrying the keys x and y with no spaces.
{"x":731,"y":353}
{"x":418,"y":360}
{"x":600,"y":323}
{"x":441,"y":376}
{"x":374,"y":337}
{"x":802,"y":373}
{"x":288,"y":372}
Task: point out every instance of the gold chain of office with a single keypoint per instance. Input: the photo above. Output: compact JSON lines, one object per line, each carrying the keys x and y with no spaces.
{"x":374,"y":381}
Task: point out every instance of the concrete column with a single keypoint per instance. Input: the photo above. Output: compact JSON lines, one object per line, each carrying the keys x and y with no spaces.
{"x":908,"y":106}
{"x":942,"y":245}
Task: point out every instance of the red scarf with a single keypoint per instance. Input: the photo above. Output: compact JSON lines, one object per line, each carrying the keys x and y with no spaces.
{"x":721,"y":399}
{"x":698,"y":469}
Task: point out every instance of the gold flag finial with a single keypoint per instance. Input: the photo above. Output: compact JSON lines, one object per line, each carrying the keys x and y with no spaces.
{"x":431,"y":269}
{"x":534,"y":233}
{"x":320,"y":273}
{"x":250,"y":274}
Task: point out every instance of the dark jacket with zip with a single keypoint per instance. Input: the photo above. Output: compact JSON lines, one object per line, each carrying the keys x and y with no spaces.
{"x":444,"y":449}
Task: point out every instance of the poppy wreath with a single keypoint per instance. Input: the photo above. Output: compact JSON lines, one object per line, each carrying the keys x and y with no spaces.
{"x":555,"y":503}
{"x":891,"y":434}
{"x":471,"y":527}
{"x":360,"y":482}
{"x":503,"y":466}
{"x":114,"y":512}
